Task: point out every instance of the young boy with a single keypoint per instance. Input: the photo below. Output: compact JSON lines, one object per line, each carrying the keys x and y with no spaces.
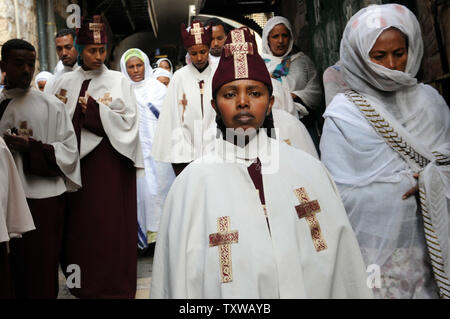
{"x":257,"y":218}
{"x":38,"y":131}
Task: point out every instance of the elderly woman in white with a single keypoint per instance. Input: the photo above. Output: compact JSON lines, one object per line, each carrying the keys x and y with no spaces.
{"x":152,"y":189}
{"x":387,"y":144}
{"x":294,"y":70}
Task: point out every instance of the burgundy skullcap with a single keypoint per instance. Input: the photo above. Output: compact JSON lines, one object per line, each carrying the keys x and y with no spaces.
{"x":92,"y":31}
{"x":240,"y":60}
{"x":197,"y":34}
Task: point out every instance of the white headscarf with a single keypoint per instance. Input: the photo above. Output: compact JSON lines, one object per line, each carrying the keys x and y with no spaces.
{"x":139,"y":54}
{"x":149,"y":90}
{"x":161,"y":72}
{"x":168,"y":61}
{"x":360,"y":35}
{"x":43,"y":76}
{"x":272,"y":23}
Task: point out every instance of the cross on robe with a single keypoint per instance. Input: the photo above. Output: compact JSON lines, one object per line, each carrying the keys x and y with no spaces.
{"x":24,"y":130}
{"x":96,"y":27}
{"x":239,"y":49}
{"x":62,"y":96}
{"x":223,"y":239}
{"x":308,"y":210}
{"x":183,"y":102}
{"x":197,"y":32}
{"x":106,"y":99}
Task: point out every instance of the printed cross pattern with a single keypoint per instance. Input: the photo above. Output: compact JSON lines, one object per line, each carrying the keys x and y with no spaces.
{"x":197,"y":32}
{"x":24,"y":130}
{"x":223,"y":239}
{"x":96,"y":27}
{"x":183,"y":102}
{"x":239,"y":49}
{"x":106,"y":99}
{"x":308,"y":210}
{"x":62,"y":95}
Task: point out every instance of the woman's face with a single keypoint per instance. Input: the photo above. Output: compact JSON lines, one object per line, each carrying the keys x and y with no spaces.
{"x":279,"y":39}
{"x":165,"y":65}
{"x":135,"y":69}
{"x":199,"y":54}
{"x":390,"y":50}
{"x":94,"y":55}
{"x":243,"y":104}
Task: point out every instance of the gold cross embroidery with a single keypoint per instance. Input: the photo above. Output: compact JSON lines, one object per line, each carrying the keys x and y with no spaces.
{"x":96,"y":27}
{"x":224,"y":238}
{"x":183,"y":102}
{"x":239,"y":49}
{"x":83,"y":99}
{"x":288,"y":142}
{"x":24,"y":130}
{"x":197,"y":32}
{"x":308,"y":210}
{"x":106,"y":99}
{"x":62,"y":95}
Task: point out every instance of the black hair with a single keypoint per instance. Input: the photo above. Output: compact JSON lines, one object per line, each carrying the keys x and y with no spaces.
{"x":15,"y":44}
{"x":213,"y":22}
{"x":64,"y":32}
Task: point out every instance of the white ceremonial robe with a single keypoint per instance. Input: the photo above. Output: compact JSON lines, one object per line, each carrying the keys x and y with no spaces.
{"x":302,"y":80}
{"x":51,"y":124}
{"x":293,"y":132}
{"x":372,"y":179}
{"x":117,"y":107}
{"x":278,"y":263}
{"x":15,"y":216}
{"x":53,"y":81}
{"x":182,"y":137}
{"x":152,"y":188}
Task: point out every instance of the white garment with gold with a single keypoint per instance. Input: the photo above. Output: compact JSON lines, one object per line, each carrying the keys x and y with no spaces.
{"x":117,"y":107}
{"x":183,"y":132}
{"x":278,"y":263}
{"x":54,"y":80}
{"x":15,"y":216}
{"x":51,"y":124}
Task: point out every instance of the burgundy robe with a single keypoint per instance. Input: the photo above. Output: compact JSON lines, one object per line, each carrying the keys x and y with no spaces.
{"x":101,"y":223}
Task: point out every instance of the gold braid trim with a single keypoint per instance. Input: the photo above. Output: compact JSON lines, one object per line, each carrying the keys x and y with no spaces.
{"x":383,"y":128}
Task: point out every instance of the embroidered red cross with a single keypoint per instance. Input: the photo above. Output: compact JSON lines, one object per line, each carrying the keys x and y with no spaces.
{"x":224,"y":238}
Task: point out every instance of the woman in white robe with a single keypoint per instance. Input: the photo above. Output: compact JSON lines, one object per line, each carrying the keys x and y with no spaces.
{"x":376,"y":141}
{"x":152,"y":188}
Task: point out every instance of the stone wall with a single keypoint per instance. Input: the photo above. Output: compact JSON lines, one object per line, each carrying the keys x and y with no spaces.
{"x":27,"y":22}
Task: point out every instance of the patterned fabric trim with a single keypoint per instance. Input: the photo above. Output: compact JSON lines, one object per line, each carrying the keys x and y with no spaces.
{"x":392,"y":138}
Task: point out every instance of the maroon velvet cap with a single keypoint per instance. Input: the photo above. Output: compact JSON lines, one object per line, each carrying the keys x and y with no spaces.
{"x":197,"y":34}
{"x":92,"y":31}
{"x":240,"y":60}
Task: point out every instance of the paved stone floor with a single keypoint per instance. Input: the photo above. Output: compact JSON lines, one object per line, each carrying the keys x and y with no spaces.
{"x":144,"y":275}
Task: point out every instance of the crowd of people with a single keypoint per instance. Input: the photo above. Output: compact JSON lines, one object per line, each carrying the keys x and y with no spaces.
{"x":224,"y":167}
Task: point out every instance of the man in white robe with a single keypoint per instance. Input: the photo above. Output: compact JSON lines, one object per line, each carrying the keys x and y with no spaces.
{"x":260,"y":220}
{"x":68,"y":55}
{"x":184,"y":126}
{"x":152,"y":188}
{"x":38,"y":131}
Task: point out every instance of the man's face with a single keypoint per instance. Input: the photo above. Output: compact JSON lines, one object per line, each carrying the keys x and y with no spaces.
{"x":279,"y":39}
{"x":218,"y":40}
{"x":19,"y":68}
{"x":243,"y":104}
{"x":94,"y":55}
{"x":135,"y":69}
{"x":66,"y":50}
{"x":199,"y":55}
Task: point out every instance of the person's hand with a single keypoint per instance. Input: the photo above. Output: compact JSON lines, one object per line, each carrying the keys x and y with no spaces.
{"x":294,"y":96}
{"x":83,"y":100}
{"x":17,"y":143}
{"x":412,"y":191}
